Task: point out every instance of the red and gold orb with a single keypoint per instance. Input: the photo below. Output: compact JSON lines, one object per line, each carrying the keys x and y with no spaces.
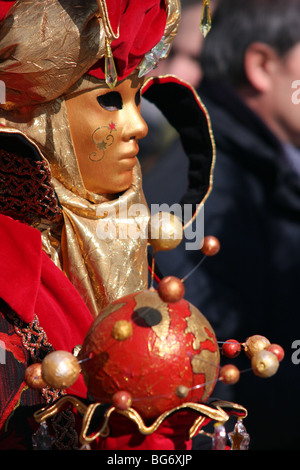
{"x":169,"y":348}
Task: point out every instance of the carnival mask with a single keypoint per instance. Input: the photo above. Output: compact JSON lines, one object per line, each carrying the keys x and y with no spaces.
{"x":106,"y":126}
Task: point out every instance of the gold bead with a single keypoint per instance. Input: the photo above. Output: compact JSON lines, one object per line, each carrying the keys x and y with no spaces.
{"x":122,"y":330}
{"x":165,"y":231}
{"x":264,"y":364}
{"x":229,"y":374}
{"x":254,"y":344}
{"x":60,"y":369}
{"x":182,"y":391}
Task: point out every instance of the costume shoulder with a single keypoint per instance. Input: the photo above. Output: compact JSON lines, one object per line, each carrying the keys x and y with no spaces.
{"x":16,"y":142}
{"x":27,"y":193}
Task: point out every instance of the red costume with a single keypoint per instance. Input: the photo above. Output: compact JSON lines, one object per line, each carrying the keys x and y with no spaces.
{"x":40,"y":311}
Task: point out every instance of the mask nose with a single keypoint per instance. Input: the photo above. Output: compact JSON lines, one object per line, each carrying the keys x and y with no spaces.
{"x":136,"y":126}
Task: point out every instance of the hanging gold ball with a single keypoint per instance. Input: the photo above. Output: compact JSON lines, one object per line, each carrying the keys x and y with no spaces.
{"x":60,"y":369}
{"x":264,"y":363}
{"x":171,"y":289}
{"x":182,"y":391}
{"x":255,"y":344}
{"x":33,"y":376}
{"x":211,"y":246}
{"x":229,"y":374}
{"x":122,"y":330}
{"x":165,"y":231}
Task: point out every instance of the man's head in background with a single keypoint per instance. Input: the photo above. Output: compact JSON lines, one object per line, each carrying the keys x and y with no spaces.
{"x":255,"y":47}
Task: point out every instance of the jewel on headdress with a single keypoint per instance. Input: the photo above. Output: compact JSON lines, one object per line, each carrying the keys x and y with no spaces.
{"x":152,"y":58}
{"x":110,"y":68}
{"x":111,"y":76}
{"x":205,"y":23}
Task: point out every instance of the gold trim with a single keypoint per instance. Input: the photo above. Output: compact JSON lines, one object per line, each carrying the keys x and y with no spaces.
{"x":47,"y":412}
{"x":215,"y":413}
{"x":103,"y":432}
{"x":105,"y":19}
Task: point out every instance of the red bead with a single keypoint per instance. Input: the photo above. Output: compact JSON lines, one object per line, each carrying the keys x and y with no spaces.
{"x":231,"y":348}
{"x":122,"y":400}
{"x":277,"y":350}
{"x":211,"y":246}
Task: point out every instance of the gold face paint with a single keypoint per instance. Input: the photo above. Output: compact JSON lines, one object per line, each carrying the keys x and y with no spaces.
{"x":106,"y":126}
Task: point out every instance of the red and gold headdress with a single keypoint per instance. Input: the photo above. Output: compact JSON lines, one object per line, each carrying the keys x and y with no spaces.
{"x":46,"y":47}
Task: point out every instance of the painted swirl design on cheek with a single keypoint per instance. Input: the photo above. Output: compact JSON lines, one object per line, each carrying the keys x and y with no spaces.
{"x":103,"y":138}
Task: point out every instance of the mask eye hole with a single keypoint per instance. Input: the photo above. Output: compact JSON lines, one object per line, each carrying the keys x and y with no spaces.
{"x":111,"y":101}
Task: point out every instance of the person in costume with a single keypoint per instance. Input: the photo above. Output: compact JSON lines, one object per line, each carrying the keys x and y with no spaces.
{"x":36,"y":106}
{"x":72,"y":74}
